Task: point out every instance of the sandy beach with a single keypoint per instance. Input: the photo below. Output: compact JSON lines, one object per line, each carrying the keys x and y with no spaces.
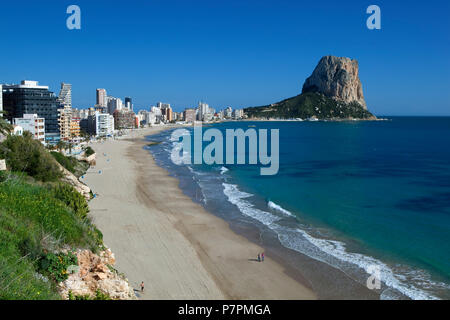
{"x":161,"y":237}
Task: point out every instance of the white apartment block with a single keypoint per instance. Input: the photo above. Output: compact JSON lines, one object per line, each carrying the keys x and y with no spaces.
{"x":114,"y":104}
{"x":65,"y":95}
{"x":33,"y":124}
{"x":104,"y":124}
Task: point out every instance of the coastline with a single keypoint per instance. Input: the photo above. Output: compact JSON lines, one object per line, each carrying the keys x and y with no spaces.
{"x":160,"y":236}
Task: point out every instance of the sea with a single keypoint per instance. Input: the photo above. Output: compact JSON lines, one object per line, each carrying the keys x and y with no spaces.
{"x":368,"y":198}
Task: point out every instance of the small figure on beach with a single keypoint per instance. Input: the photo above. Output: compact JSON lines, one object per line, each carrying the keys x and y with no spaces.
{"x":142,"y":286}
{"x":262,"y":257}
{"x":259,"y":257}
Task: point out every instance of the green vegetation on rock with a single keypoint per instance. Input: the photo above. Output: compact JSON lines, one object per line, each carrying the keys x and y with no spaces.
{"x":36,"y":222}
{"x":42,"y":219}
{"x":26,"y":155}
{"x":309,"y":105}
{"x":88,"y":151}
{"x":78,"y":168}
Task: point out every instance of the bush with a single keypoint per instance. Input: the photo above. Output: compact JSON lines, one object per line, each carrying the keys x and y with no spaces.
{"x":66,"y":162}
{"x":55,"y":265}
{"x":73,"y":199}
{"x":78,"y":168}
{"x":24,"y":154}
{"x":99,"y":295}
{"x":88,"y":151}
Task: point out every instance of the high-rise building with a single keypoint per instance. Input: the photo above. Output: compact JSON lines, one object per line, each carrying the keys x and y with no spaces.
{"x":99,"y":124}
{"x":161,"y":105}
{"x":238,"y":114}
{"x":80,"y":113}
{"x":124,"y":119}
{"x":102,"y":98}
{"x":205,"y":113}
{"x":167,"y":113}
{"x":189,"y":115}
{"x":128,"y":103}
{"x":150,"y":118}
{"x":65,"y":95}
{"x":33,"y":124}
{"x":228,"y":113}
{"x":114,"y":104}
{"x":30,"y":98}
{"x":155,"y":110}
{"x":75,"y":129}
{"x":64,"y":121}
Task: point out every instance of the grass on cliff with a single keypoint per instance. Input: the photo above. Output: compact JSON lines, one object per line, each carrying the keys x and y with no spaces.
{"x":36,"y":220}
{"x":78,"y":168}
{"x":307,"y":105}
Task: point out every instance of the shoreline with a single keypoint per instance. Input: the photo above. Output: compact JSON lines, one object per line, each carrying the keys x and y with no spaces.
{"x":327,"y":281}
{"x":160,"y":236}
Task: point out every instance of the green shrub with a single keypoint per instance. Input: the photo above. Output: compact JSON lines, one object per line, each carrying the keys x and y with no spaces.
{"x":78,"y":168}
{"x":99,"y":295}
{"x":24,"y":154}
{"x":72,"y":296}
{"x":72,"y":199}
{"x":66,"y":162}
{"x":20,"y":281}
{"x":88,"y":151}
{"x":55,"y":265}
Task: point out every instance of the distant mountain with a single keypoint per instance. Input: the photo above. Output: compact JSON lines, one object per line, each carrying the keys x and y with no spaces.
{"x":333,"y":91}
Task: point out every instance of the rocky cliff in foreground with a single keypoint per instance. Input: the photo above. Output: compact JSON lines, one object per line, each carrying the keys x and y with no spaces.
{"x":332,"y":92}
{"x":96,"y":273}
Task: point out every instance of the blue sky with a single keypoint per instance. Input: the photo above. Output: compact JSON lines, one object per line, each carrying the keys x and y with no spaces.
{"x":238,"y":53}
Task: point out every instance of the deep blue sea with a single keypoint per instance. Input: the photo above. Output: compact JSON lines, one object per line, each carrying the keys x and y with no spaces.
{"x":350,"y":194}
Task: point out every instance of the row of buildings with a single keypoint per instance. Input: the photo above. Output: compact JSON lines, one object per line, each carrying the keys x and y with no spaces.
{"x":35,"y":108}
{"x":163,"y":113}
{"x":50,"y":118}
{"x":29,"y":106}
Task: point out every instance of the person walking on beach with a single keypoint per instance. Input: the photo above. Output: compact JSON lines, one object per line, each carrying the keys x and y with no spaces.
{"x":142,"y":286}
{"x":262,"y":257}
{"x":259,"y":257}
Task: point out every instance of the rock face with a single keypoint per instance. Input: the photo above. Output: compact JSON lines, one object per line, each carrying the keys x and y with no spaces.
{"x":336,"y":78}
{"x":96,"y":273}
{"x":71,"y":179}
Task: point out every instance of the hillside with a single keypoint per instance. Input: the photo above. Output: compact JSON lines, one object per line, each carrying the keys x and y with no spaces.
{"x":310,"y":104}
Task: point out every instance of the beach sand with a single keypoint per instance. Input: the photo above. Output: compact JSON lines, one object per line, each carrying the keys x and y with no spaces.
{"x":160,"y":236}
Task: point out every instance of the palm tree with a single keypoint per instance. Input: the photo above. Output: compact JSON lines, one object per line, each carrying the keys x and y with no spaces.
{"x":61,"y":145}
{"x":5,"y":127}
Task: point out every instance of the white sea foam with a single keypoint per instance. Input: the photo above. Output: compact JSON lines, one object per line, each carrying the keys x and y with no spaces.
{"x":337,"y":250}
{"x":223,"y":170}
{"x":237,"y":197}
{"x":332,"y":252}
{"x":177,"y":147}
{"x":278,"y":208}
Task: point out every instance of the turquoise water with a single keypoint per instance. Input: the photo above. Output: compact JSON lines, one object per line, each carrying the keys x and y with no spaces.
{"x":350,"y":194}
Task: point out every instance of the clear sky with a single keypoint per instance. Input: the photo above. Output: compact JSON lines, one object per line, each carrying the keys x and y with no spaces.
{"x":239,"y":53}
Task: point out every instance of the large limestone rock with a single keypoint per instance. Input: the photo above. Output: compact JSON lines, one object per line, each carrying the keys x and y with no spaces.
{"x":337,"y":78}
{"x":94,"y":273}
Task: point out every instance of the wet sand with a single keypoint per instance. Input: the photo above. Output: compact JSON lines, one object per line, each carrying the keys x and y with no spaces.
{"x":160,"y":236}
